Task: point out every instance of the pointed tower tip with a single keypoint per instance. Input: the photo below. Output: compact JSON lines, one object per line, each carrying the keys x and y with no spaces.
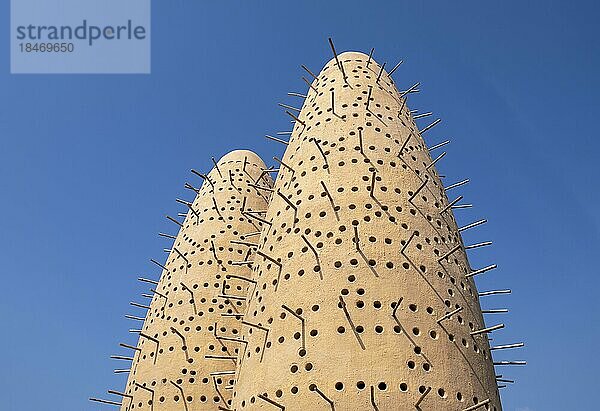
{"x":353,"y":55}
{"x":349,"y":55}
{"x":239,"y":155}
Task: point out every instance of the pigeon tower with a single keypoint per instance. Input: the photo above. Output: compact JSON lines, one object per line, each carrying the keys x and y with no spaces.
{"x":190,"y":335}
{"x":365,"y":298}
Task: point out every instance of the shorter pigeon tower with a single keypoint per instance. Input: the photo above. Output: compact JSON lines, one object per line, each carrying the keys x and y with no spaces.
{"x":189,"y":341}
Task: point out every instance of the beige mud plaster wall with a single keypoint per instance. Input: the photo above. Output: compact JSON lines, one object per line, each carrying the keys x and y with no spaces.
{"x":187,"y":350}
{"x":336,"y":324}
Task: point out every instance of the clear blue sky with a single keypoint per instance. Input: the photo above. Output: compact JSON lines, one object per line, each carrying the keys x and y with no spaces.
{"x":89,"y":166}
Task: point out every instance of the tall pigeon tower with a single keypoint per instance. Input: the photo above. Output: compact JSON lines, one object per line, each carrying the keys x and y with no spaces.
{"x":365,"y":298}
{"x":188,"y":345}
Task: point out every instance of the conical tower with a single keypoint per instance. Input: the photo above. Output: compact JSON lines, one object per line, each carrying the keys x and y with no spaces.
{"x":187,"y":351}
{"x":365,"y":299}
